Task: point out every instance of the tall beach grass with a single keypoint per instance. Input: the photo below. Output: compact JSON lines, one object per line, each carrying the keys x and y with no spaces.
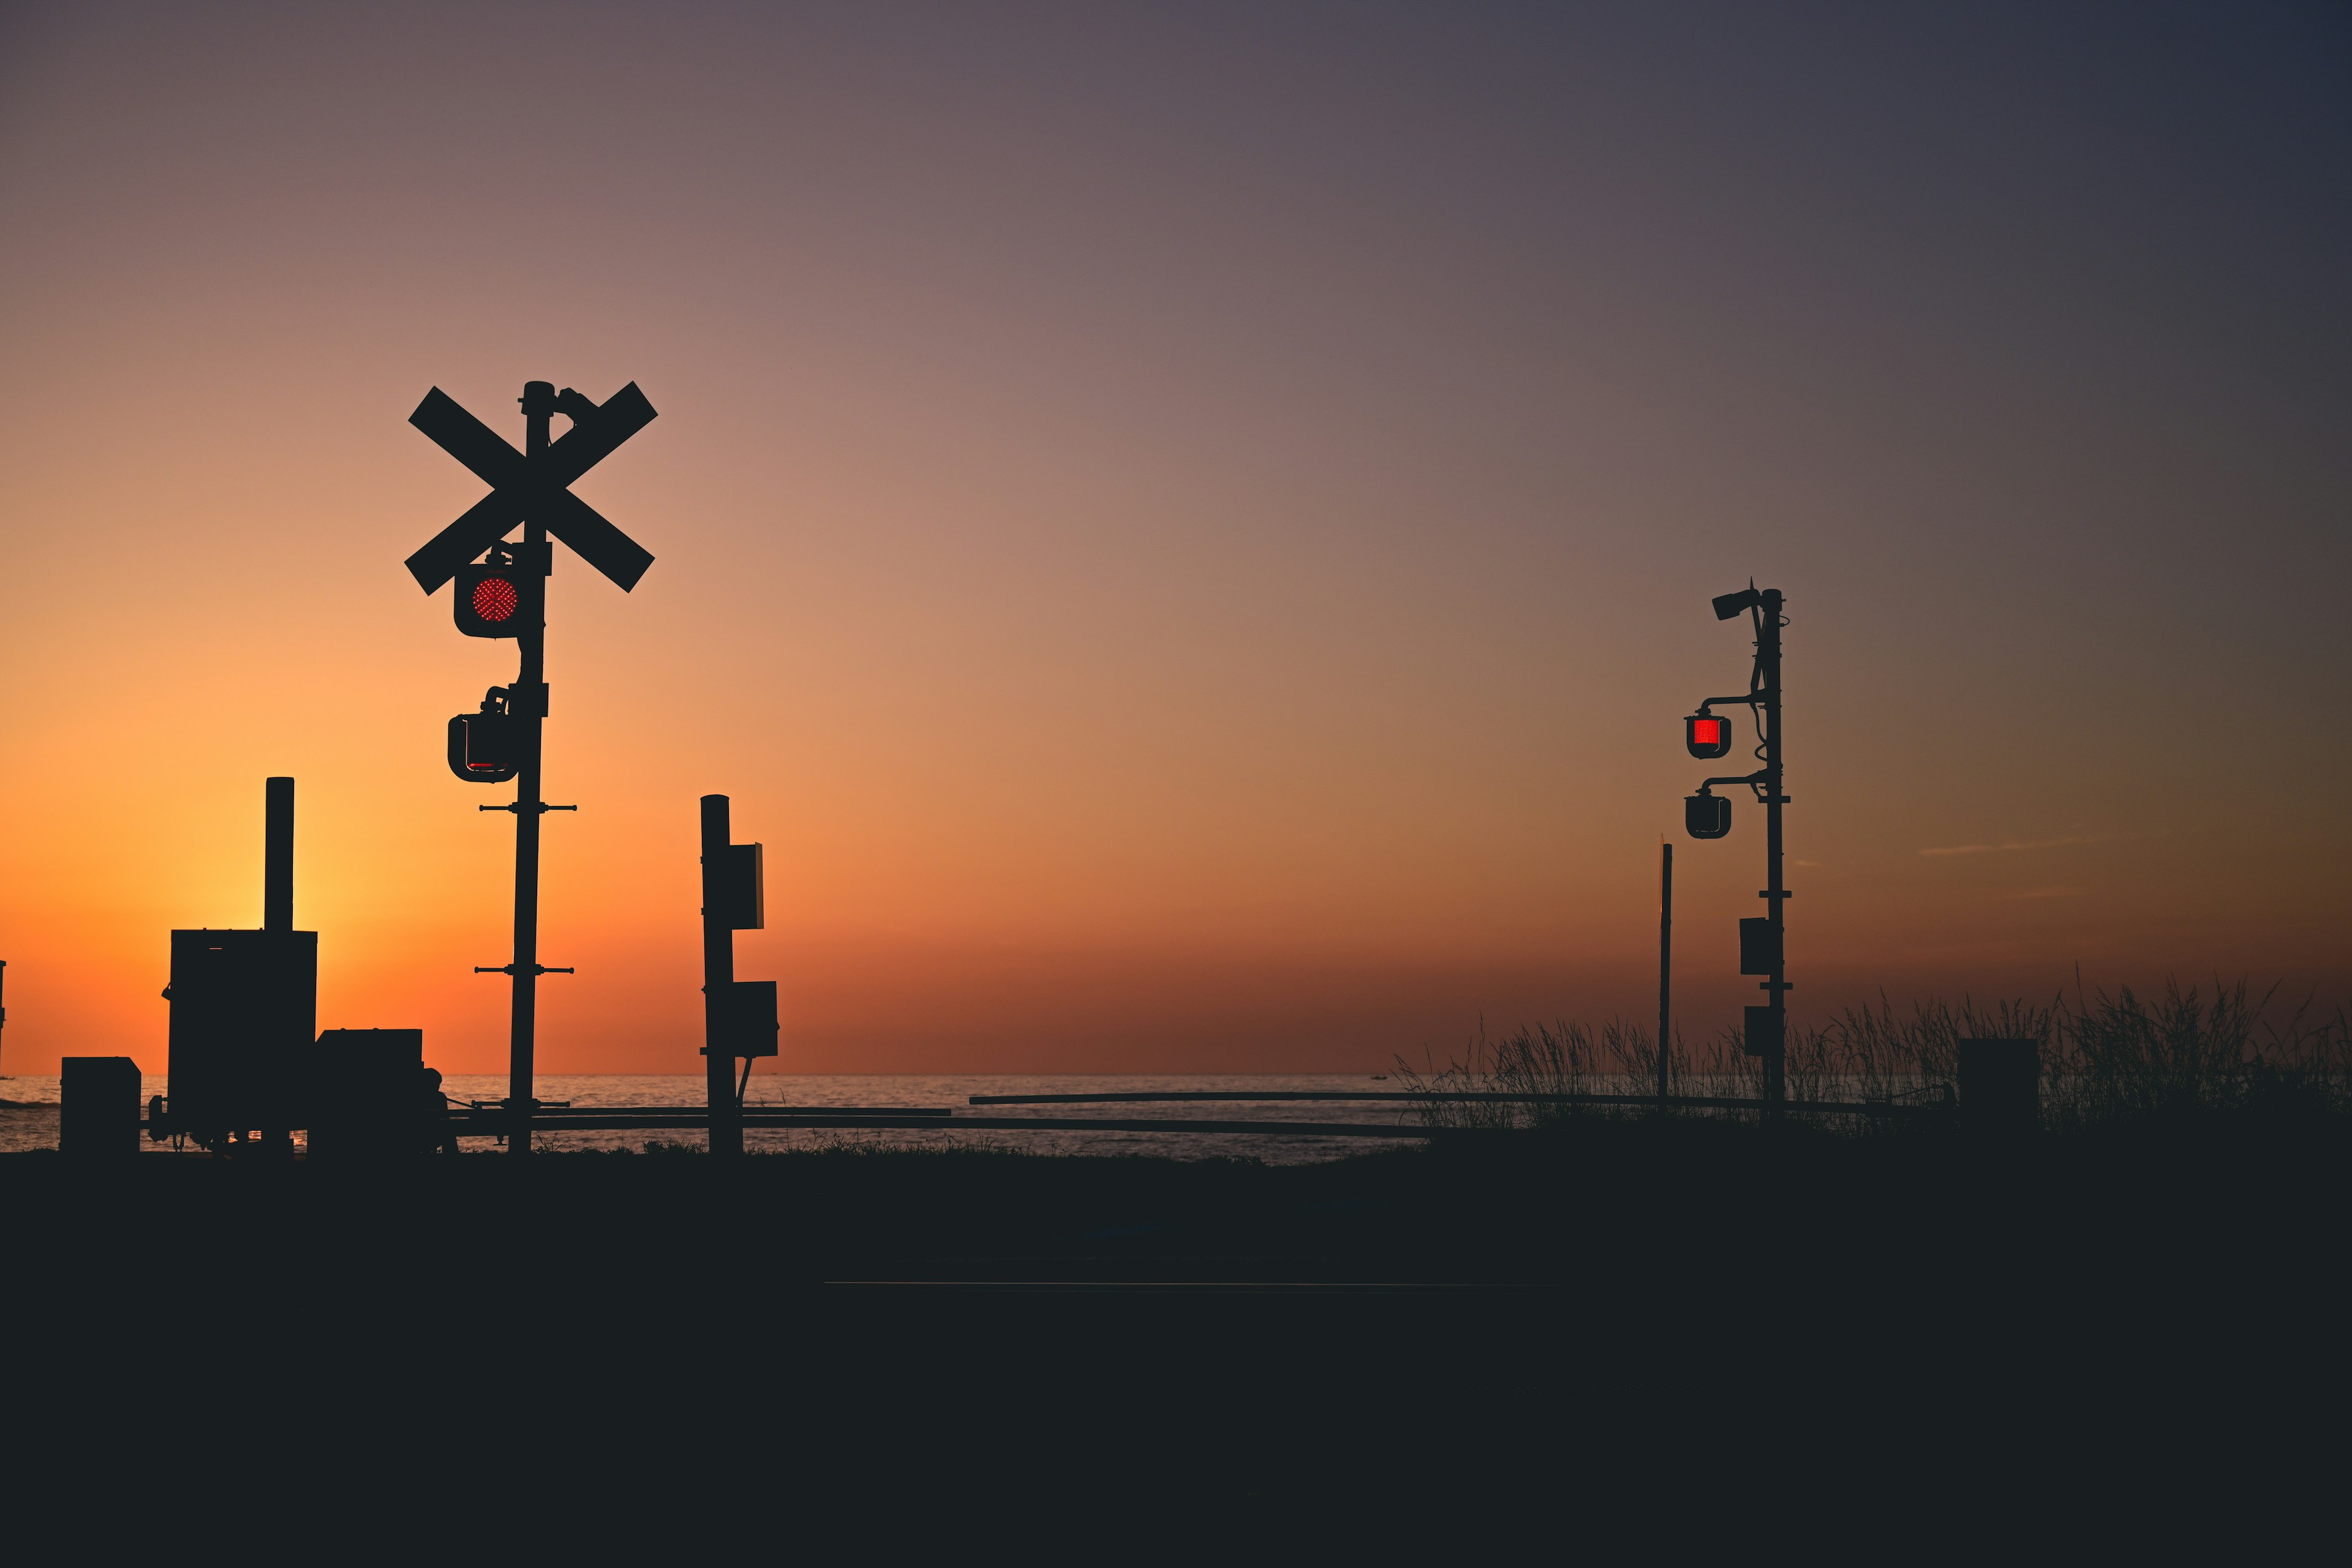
{"x":2107,"y":1057}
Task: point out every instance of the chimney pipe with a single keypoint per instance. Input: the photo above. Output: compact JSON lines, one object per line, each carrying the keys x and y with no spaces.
{"x":278,"y":862}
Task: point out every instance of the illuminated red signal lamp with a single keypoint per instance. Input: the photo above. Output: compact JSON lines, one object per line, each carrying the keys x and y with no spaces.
{"x":1706,"y":735}
{"x":497,"y":601}
{"x":1707,"y":815}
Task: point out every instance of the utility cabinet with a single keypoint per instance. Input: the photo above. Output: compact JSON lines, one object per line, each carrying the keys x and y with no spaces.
{"x":245,"y":1010}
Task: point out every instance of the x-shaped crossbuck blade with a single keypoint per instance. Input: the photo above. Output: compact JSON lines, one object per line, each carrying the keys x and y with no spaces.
{"x":533,"y":487}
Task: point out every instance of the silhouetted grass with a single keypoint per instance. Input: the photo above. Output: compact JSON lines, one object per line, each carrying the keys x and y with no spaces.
{"x":846,"y":1144}
{"x":2106,"y":1059}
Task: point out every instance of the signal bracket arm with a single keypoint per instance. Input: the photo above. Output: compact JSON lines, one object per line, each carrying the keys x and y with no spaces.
{"x":543,"y":808}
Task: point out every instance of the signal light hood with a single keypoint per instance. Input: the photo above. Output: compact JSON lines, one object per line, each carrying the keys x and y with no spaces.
{"x":1729,"y":604}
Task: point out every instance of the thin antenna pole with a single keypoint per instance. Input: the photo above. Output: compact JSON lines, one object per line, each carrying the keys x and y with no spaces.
{"x":1665,"y":955}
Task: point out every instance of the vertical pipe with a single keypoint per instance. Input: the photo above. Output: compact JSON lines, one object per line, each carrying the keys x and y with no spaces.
{"x":1665,"y":955}
{"x":719,"y":980}
{"x":280,"y":1064}
{"x":1767,"y":655}
{"x":3,"y":983}
{"x":530,"y":697}
{"x":278,"y":857}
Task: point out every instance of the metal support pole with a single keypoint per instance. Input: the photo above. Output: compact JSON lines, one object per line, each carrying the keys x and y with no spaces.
{"x":278,"y":855}
{"x":1665,"y":956}
{"x":718,"y":981}
{"x":1776,"y":893}
{"x":529,"y":704}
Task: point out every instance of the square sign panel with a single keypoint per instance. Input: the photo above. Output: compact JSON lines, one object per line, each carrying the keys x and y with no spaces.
{"x":743,"y":898}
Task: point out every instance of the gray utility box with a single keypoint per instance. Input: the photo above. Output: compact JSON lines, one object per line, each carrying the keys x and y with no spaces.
{"x":98,"y":1106}
{"x":369,"y":1095}
{"x":244,"y":1009}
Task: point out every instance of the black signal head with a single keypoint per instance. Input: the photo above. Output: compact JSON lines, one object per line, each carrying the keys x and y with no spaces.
{"x":1707,"y":815}
{"x":497,"y":600}
{"x":484,"y":747}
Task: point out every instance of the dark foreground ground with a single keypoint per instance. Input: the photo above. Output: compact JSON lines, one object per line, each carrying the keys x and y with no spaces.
{"x":1900,"y":1328}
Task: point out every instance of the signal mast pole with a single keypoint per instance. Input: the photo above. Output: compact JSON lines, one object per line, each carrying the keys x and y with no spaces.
{"x":718,"y":925}
{"x":529,"y":705}
{"x":1763,"y":945}
{"x":1775,"y":893}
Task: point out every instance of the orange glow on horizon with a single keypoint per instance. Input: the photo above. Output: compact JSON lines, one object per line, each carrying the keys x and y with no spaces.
{"x":1189,"y":547}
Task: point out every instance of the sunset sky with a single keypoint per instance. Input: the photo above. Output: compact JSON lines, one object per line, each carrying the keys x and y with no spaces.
{"x":1186,"y":530}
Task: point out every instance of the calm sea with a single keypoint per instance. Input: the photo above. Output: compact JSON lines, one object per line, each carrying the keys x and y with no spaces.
{"x":36,"y":1125}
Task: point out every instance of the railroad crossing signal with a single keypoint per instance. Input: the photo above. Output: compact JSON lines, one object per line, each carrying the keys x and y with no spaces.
{"x":505,"y":597}
{"x":537,"y":487}
{"x":1707,"y":815}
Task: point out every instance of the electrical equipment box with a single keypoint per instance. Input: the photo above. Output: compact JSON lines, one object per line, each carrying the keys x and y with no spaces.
{"x":98,"y":1106}
{"x":244,"y":1009}
{"x":368,"y":1094}
{"x":751,"y":1019}
{"x":740,"y":889}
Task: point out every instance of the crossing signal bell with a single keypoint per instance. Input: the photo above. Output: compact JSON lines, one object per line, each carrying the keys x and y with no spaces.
{"x":500,"y":599}
{"x":1706,"y":735}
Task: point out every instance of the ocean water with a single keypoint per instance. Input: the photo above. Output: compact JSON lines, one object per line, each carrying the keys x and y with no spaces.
{"x":33,"y":1123}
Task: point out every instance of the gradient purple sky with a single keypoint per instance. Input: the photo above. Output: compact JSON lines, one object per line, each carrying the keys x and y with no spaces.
{"x":1187,"y":531}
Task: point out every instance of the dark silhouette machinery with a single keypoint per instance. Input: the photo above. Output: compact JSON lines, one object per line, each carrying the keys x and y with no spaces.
{"x":248,"y":1067}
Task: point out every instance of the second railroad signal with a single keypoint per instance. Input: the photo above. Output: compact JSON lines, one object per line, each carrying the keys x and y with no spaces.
{"x":484,"y":747}
{"x":1707,"y":815}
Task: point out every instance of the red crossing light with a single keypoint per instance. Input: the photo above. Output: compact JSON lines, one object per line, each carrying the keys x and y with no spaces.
{"x":1706,"y":735}
{"x":495,"y":601}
